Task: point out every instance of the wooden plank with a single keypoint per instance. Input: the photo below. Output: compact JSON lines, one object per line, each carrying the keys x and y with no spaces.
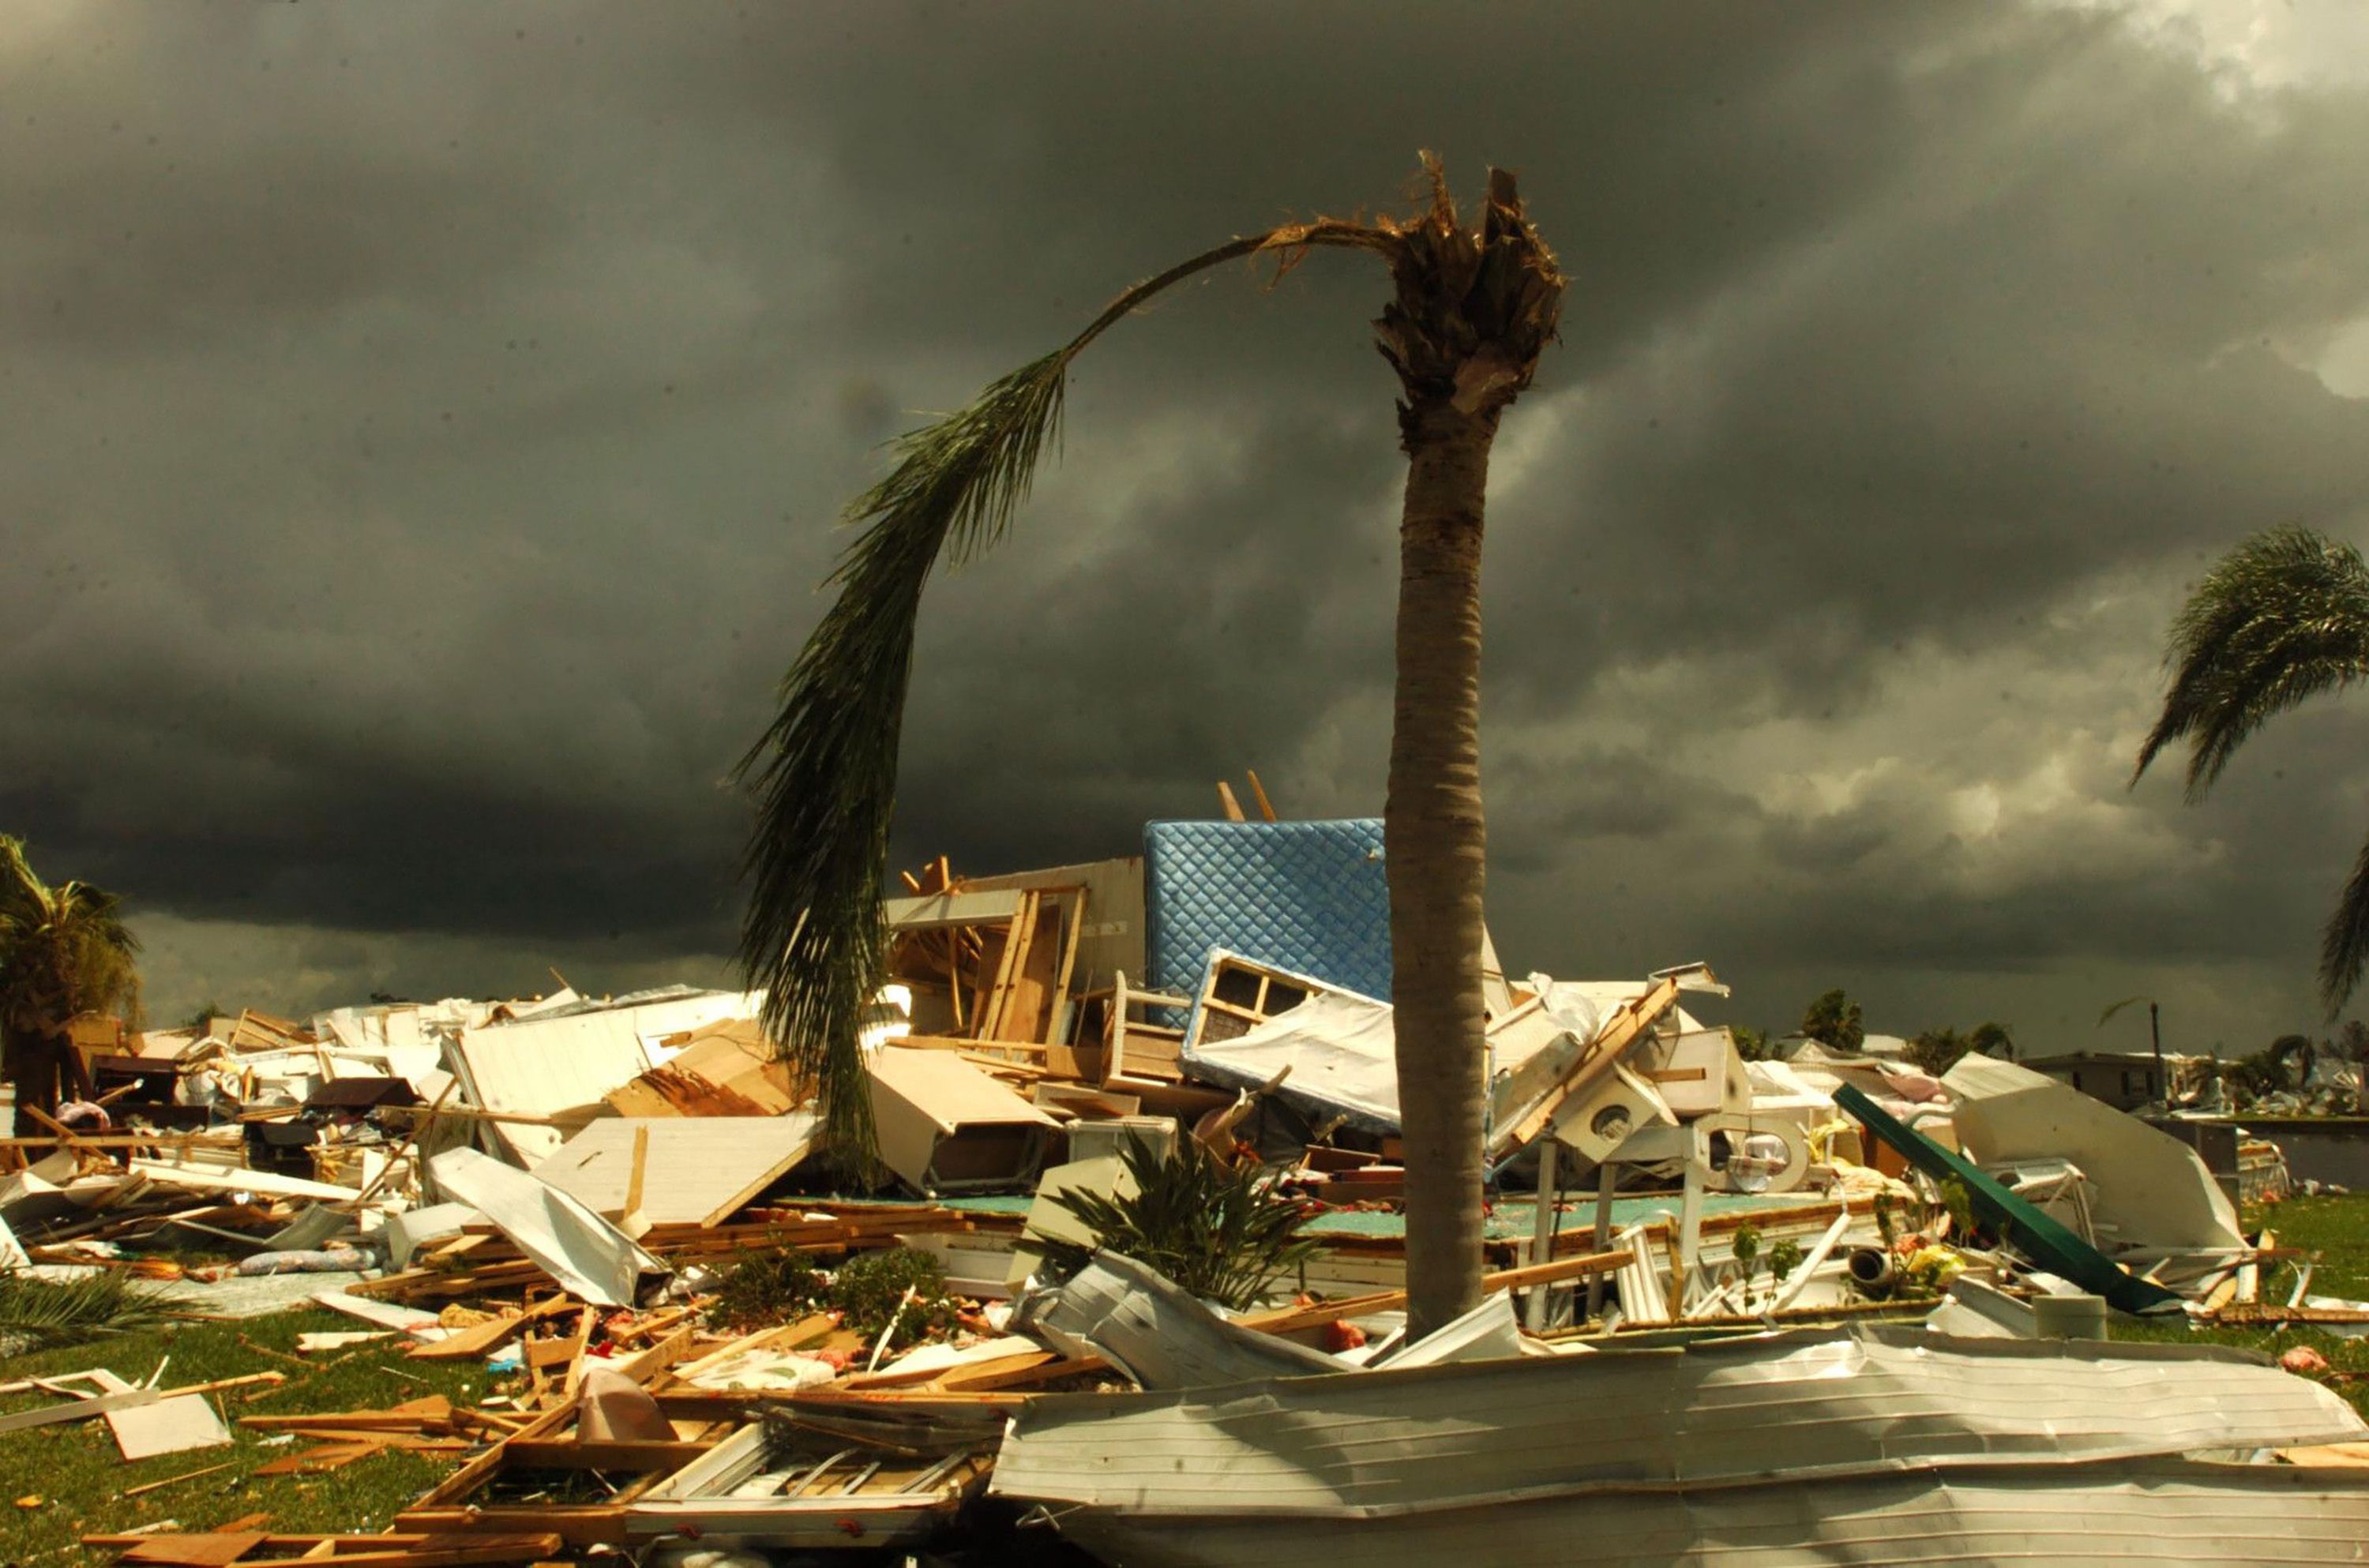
{"x":77,"y":1410}
{"x":630,"y":1219}
{"x":1060,"y":1013}
{"x":210,"y":1551}
{"x":454,"y":1549}
{"x":649,"y":1363}
{"x":577,"y":1349}
{"x":1018,"y":936}
{"x":80,"y":1408}
{"x":476,"y":1473}
{"x":1631,"y":1020}
{"x":789,"y":1336}
{"x":697,"y":1171}
{"x":1009,"y":1373}
{"x":469,"y":1343}
{"x":147,"y":1486}
{"x":942,"y":911}
{"x":166,"y":1426}
{"x":578,"y":1526}
{"x":325,"y":1457}
{"x":1284,"y":1319}
{"x":1258,"y":792}
{"x":403,"y":1151}
{"x":575,"y":1453}
{"x":1288,"y":1320}
{"x":433,"y":1411}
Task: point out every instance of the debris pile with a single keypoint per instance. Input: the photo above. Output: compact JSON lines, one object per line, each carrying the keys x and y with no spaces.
{"x":707,"y":1325}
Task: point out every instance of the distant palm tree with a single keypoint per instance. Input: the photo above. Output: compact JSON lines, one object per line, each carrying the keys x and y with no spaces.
{"x":63,"y":952}
{"x":1473,"y":309}
{"x":2282,"y":617}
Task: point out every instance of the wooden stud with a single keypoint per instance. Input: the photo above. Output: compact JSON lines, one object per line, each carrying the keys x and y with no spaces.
{"x":1266,"y":808}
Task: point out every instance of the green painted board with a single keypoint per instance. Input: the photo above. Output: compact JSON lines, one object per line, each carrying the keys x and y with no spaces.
{"x":2040,"y":1239}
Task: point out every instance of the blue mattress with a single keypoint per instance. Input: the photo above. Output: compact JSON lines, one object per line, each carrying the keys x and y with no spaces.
{"x":1308,"y":896}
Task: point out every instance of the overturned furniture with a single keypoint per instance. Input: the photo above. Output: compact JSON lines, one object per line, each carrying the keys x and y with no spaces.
{"x":945,"y":1126}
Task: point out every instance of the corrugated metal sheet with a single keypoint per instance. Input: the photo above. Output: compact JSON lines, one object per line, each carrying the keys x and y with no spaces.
{"x":1799,"y":1407}
{"x":582,"y":1251}
{"x":1154,"y":1332}
{"x":2161,"y":1513}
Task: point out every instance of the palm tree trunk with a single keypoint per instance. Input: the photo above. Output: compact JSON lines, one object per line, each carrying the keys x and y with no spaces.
{"x":33,"y":1063}
{"x":1437,"y":846}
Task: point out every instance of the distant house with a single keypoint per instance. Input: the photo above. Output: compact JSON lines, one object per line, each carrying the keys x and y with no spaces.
{"x":2125,"y":1079}
{"x":1886,"y":1047}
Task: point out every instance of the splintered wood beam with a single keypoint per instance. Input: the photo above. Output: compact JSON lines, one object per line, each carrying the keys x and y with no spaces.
{"x":1616,"y":1036}
{"x":1284,"y":1319}
{"x":1258,"y":794}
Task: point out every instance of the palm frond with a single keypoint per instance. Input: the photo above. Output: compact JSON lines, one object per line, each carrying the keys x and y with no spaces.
{"x":2281,"y":618}
{"x":42,"y":1315}
{"x":63,"y":950}
{"x":825,"y":772}
{"x":2344,"y":947}
{"x":1223,"y":1233}
{"x":826,"y":768}
{"x":2105,"y":1017}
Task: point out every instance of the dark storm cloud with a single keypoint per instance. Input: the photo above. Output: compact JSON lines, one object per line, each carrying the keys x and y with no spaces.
{"x":426,"y":423}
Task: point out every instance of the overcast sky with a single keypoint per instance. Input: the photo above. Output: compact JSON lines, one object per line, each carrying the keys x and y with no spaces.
{"x":425,"y":426}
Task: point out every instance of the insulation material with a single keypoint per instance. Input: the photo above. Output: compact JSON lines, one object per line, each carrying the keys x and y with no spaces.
{"x":2151,"y":1192}
{"x":1340,"y":1048}
{"x":585,"y":1254}
{"x":696,"y":1171}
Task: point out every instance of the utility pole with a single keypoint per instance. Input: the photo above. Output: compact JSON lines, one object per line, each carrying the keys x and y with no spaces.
{"x":2155,"y":1033}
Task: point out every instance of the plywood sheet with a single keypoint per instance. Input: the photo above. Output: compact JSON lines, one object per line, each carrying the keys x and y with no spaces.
{"x":698,"y":1170}
{"x":169,"y":1427}
{"x":724,"y":1069}
{"x":543,"y":1066}
{"x":1112,"y":937}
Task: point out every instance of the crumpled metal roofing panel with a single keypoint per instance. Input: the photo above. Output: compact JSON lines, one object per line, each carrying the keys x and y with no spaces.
{"x":1797,"y":1407}
{"x":2156,"y":1512}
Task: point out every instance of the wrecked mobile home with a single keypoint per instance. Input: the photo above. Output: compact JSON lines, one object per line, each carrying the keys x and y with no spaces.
{"x":1831,"y":1309}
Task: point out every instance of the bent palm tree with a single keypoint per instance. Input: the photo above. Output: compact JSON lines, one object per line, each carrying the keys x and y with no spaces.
{"x":1472,"y":308}
{"x":63,"y":952}
{"x":2282,"y":617}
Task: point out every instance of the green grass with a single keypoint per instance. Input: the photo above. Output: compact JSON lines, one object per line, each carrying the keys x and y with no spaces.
{"x":2334,"y":1234}
{"x":74,"y":1468}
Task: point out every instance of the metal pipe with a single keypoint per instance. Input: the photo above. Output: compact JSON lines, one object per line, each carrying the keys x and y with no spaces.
{"x":1534,"y":1310}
